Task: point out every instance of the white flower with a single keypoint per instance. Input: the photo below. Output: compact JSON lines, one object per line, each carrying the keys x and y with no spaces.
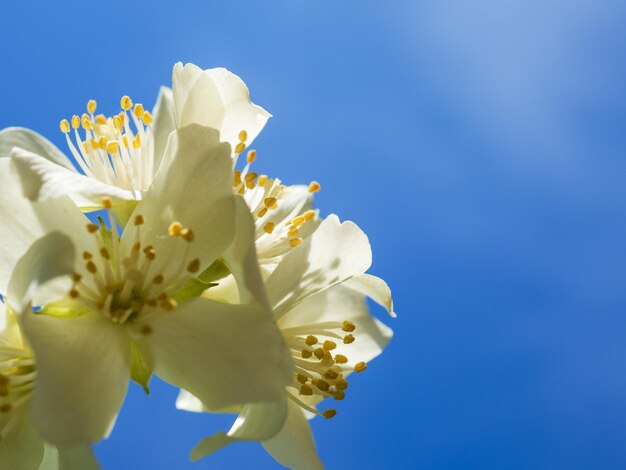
{"x":119,"y":156}
{"x":330,"y":332}
{"x":21,"y":446}
{"x":124,"y":309}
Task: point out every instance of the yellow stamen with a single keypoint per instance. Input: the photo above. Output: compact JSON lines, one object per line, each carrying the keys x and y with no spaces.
{"x":360,"y":367}
{"x":314,"y":187}
{"x":64,"y":126}
{"x":126,"y":103}
{"x":91,"y":106}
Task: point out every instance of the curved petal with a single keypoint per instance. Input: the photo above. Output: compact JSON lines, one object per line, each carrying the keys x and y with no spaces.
{"x":194,"y":187}
{"x":294,"y":446}
{"x":50,"y":257}
{"x":374,"y":288}
{"x":83,"y":369}
{"x":31,"y":141}
{"x":188,"y":402}
{"x":336,"y":305}
{"x":25,"y":221}
{"x":334,"y":253}
{"x":163,"y":124}
{"x":216,"y":98}
{"x":43,"y":180}
{"x":223,"y":354}
{"x":77,"y":458}
{"x":256,"y":422}
{"x":241,"y":259}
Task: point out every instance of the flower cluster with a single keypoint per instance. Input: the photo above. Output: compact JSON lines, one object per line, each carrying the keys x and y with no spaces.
{"x":158,"y":250}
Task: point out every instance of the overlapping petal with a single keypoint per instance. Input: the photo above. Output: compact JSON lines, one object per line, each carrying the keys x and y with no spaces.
{"x":18,"y":137}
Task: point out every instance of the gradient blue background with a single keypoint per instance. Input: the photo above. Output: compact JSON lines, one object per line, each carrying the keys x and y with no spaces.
{"x":481,"y":146}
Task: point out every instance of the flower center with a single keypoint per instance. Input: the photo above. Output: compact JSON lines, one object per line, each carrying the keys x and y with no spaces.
{"x":116,"y":150}
{"x":17,"y":377}
{"x":121,"y":283}
{"x":275,"y":234}
{"x":319,"y":372}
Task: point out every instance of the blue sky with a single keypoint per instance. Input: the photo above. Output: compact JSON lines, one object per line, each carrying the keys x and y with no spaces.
{"x":480,"y":145}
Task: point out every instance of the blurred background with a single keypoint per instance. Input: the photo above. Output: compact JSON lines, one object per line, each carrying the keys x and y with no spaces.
{"x":480,"y":145}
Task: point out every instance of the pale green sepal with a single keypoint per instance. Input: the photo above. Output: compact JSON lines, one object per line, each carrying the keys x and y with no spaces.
{"x":140,"y":370}
{"x":197,"y":285}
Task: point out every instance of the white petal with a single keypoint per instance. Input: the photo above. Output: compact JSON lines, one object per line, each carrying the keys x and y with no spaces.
{"x":83,"y":369}
{"x":223,"y":354}
{"x":334,"y":253}
{"x":31,"y":141}
{"x":43,"y":180}
{"x":77,"y":458}
{"x":188,"y":402}
{"x":194,"y":187}
{"x":256,"y":422}
{"x":336,"y":305}
{"x":374,"y":288}
{"x":49,"y":257}
{"x":163,"y":124}
{"x":24,"y":221}
{"x":216,"y":98}
{"x":241,"y":258}
{"x":23,"y":448}
{"x":294,"y":446}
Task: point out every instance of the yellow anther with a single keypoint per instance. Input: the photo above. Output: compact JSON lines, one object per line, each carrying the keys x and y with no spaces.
{"x":331,"y":374}
{"x":341,"y":359}
{"x":137,"y":246}
{"x":117,"y":122}
{"x":86,"y":122}
{"x":322,"y":385}
{"x":113,"y":147}
{"x":251,"y":156}
{"x":240,"y":147}
{"x":236,"y":178}
{"x":150,"y":252}
{"x":5,"y":408}
{"x":311,"y":340}
{"x":91,"y":106}
{"x":348,"y":339}
{"x":92,"y":228}
{"x":138,"y":110}
{"x":270,"y":202}
{"x":308,"y":215}
{"x":341,"y":384}
{"x":293,"y":232}
{"x":105,"y":253}
{"x":139,"y":220}
{"x":269,"y":227}
{"x":329,"y":414}
{"x":194,"y":266}
{"x":298,"y":221}
{"x":262,"y":212}
{"x":147,"y":118}
{"x":314,"y":187}
{"x":302,"y":378}
{"x":262,"y":180}
{"x":319,"y":353}
{"x":101,"y":119}
{"x":76,"y":277}
{"x":102,"y":143}
{"x":175,"y":229}
{"x":87,"y":256}
{"x":306,"y":353}
{"x":91,"y":267}
{"x":94,"y":143}
{"x":295,"y":242}
{"x":106,"y":202}
{"x":74,"y":293}
{"x":306,"y":389}
{"x":187,"y":234}
{"x":348,"y":326}
{"x":75,"y":122}
{"x":64,"y":126}
{"x":126,"y":103}
{"x":339,"y":395}
{"x":158,"y":279}
{"x":169,"y":304}
{"x":146,"y":329}
{"x":137,"y":141}
{"x":243,"y":136}
{"x":329,"y":345}
{"x":125,"y":141}
{"x":251,"y":177}
{"x":360,"y":367}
